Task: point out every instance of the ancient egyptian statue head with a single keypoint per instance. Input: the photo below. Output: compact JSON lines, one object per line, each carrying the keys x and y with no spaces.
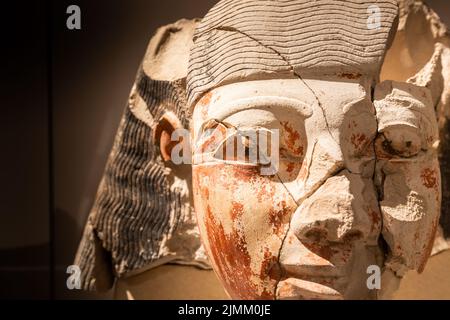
{"x":305,"y":172}
{"x":355,"y":180}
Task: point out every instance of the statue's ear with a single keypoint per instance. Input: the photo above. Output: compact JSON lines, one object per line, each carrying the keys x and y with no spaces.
{"x":162,"y":134}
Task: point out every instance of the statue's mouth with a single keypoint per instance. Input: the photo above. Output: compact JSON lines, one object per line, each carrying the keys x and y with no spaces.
{"x":326,"y":274}
{"x":305,"y":271}
{"x":311,"y":281}
{"x":298,"y":289}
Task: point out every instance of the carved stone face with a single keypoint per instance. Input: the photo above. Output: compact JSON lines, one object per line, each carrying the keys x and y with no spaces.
{"x":347,"y":172}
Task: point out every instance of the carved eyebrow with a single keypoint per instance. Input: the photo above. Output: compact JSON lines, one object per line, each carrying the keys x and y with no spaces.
{"x":223,"y":110}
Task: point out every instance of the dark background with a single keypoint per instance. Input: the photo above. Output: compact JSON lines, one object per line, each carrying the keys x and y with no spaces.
{"x":63,"y":93}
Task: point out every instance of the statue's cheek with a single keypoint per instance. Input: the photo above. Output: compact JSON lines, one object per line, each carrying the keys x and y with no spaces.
{"x":243,"y":219}
{"x":408,"y":173}
{"x":411,"y":209}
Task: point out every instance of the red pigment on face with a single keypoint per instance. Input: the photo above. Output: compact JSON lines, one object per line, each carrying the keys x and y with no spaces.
{"x":277,"y":218}
{"x":245,"y":174}
{"x":204,"y":104}
{"x":358,"y":140}
{"x":232,"y":259}
{"x":290,"y":167}
{"x":208,"y":145}
{"x":323,"y":251}
{"x":424,"y":95}
{"x":429,"y":178}
{"x":266,"y":192}
{"x":206,"y":99}
{"x":205,"y":193}
{"x":270,"y":266}
{"x":353,"y":124}
{"x":375,"y":217}
{"x":228,"y":251}
{"x":237,"y":209}
{"x":292,"y":138}
{"x":351,"y":76}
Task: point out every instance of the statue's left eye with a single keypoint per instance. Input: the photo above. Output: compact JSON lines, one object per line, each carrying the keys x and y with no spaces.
{"x":399,"y":141}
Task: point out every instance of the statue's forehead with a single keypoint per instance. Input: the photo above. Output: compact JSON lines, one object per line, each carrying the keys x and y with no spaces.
{"x":297,"y":96}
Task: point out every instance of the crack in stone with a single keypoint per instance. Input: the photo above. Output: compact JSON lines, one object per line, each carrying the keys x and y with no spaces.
{"x":379,"y":189}
{"x":298,"y":203}
{"x":319,"y":103}
{"x":284,"y":238}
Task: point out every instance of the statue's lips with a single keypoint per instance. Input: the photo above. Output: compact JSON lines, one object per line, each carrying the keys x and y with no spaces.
{"x":297,"y":289}
{"x":303,"y":261}
{"x":311,"y":281}
{"x":304,"y":271}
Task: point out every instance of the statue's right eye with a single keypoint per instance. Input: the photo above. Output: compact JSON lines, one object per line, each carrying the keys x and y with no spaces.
{"x":254,"y":147}
{"x":213,"y":134}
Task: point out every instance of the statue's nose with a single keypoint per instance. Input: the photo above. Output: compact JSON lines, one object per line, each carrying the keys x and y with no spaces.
{"x":330,"y":224}
{"x":343,"y":209}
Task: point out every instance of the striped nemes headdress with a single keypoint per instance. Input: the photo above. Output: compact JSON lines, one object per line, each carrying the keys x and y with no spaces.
{"x":240,"y":40}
